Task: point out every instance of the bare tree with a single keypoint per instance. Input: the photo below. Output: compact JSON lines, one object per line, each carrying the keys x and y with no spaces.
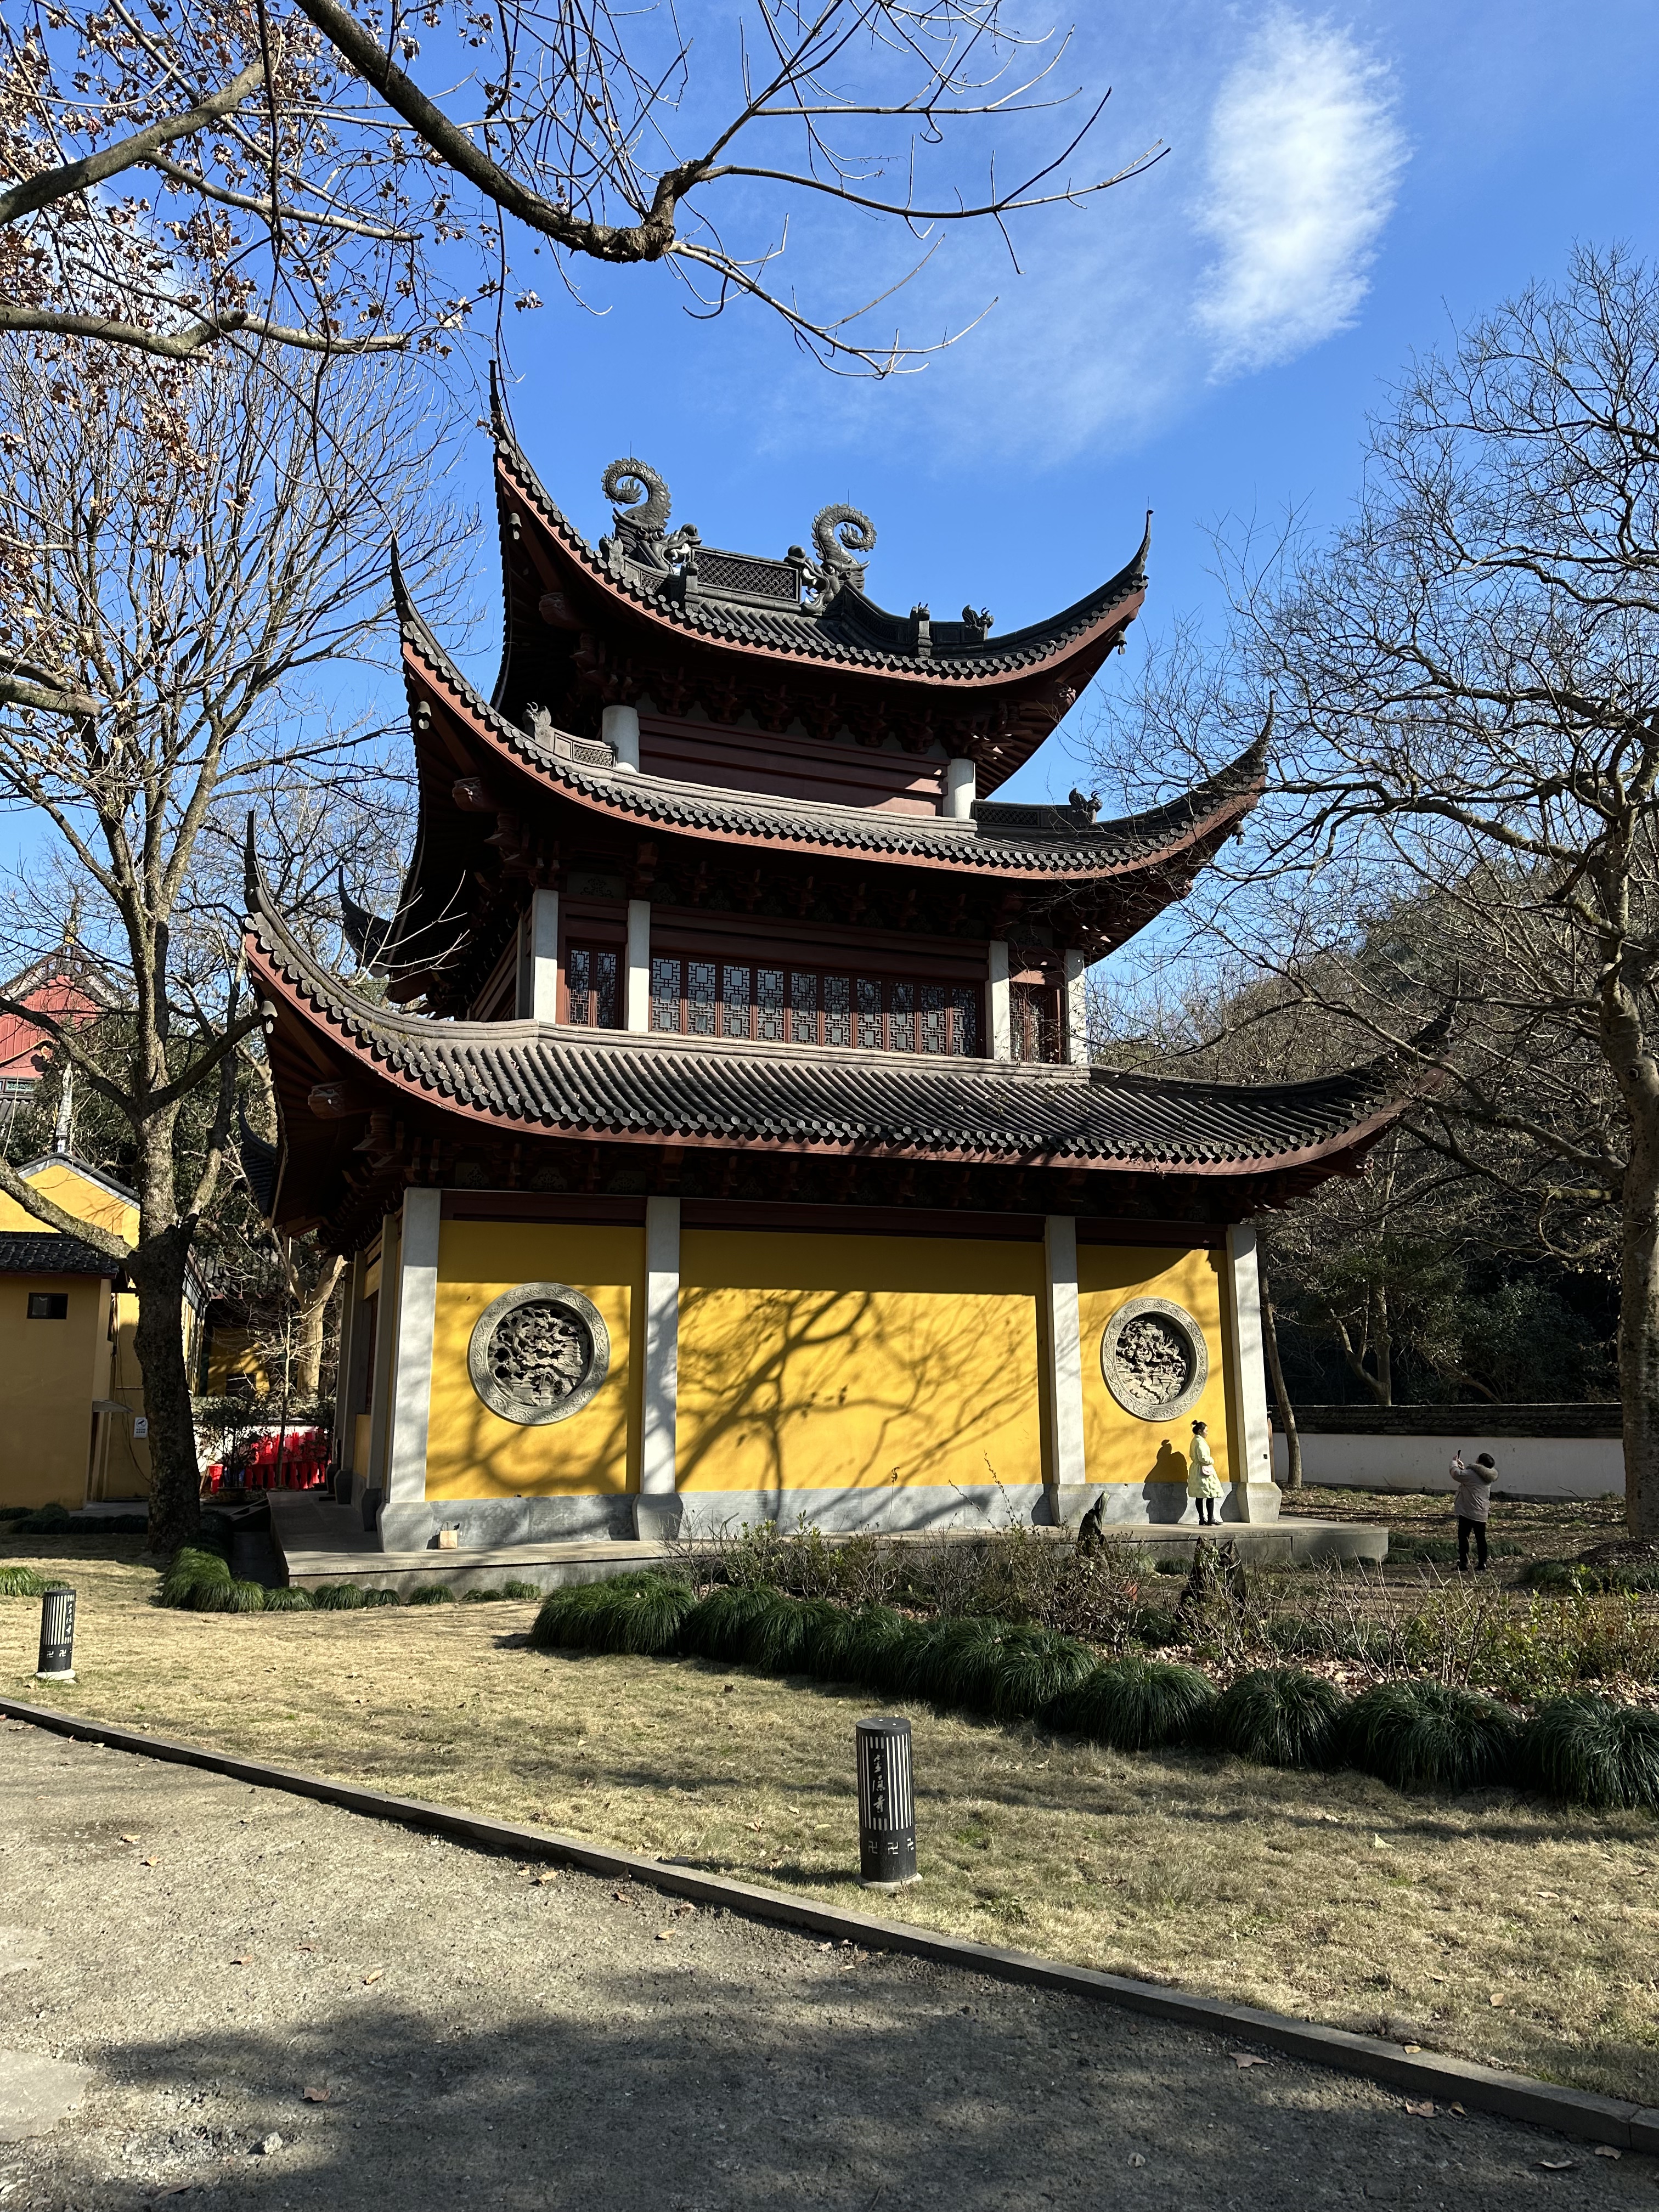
{"x":184,"y":543}
{"x":1467,"y":680}
{"x":284,"y":171}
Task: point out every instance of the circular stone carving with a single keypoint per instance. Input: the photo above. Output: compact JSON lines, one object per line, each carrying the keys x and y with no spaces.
{"x":1154,"y":1358}
{"x":539,"y":1353}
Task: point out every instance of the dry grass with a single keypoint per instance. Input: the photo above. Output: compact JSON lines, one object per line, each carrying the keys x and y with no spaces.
{"x":1327,"y":1896}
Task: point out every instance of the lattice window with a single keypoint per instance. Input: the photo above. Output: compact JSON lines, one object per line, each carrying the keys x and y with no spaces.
{"x":803,"y":1007}
{"x":591,"y":975}
{"x":700,"y":998}
{"x":735,"y":998}
{"x":769,"y":1008}
{"x":1034,"y":1021}
{"x":665,"y":994}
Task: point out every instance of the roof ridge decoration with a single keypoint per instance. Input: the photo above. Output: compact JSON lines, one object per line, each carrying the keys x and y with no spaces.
{"x":692,"y":1090}
{"x":783,"y":608}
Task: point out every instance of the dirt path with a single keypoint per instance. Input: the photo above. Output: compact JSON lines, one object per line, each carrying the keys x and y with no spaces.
{"x":468,"y":2034}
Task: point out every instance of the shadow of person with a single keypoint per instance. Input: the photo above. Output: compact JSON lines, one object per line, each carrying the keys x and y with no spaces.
{"x":1165,"y":1488}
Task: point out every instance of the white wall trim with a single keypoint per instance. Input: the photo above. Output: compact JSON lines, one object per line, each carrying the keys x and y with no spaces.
{"x":1252,"y":1454}
{"x":1002,"y":1032}
{"x":417,"y":1309}
{"x":1077,"y":1007}
{"x":639,"y":966}
{"x":1063,"y":1351}
{"x":659,"y":1396}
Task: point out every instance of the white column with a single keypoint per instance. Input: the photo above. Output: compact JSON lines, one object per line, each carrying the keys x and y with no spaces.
{"x":412,"y":1377}
{"x":961,"y":789}
{"x":1002,"y":1030}
{"x":1077,"y":1007}
{"x":1254,"y":1494}
{"x":348,"y":1377}
{"x":386,"y":1344}
{"x":639,"y":964}
{"x":620,"y":728}
{"x":539,"y":964}
{"x":659,"y":1396}
{"x":1063,"y":1351}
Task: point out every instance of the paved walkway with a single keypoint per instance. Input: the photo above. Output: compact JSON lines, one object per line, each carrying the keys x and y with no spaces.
{"x":401,"y":2022}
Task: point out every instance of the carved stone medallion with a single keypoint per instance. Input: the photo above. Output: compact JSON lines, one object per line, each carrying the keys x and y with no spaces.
{"x":539,"y":1353}
{"x":1154,"y":1358}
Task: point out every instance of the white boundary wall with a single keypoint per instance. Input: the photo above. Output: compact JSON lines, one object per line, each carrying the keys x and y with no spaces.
{"x":1527,"y":1466}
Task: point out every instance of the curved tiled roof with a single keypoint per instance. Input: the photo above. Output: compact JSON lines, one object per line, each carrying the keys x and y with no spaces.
{"x":45,"y":1252}
{"x":537,"y":1077}
{"x":848,"y":629}
{"x":999,"y":838}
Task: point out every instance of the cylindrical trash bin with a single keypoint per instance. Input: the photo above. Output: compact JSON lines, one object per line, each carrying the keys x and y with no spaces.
{"x":57,"y":1636}
{"x":887,"y":1803}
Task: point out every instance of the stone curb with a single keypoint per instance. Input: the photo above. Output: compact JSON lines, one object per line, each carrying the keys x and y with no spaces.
{"x":1424,"y":2074}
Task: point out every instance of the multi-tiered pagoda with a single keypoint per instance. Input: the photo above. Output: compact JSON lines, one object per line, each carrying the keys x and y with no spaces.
{"x":729,"y":1147}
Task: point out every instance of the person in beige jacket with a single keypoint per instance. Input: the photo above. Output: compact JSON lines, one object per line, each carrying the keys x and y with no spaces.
{"x":1473,"y":1481}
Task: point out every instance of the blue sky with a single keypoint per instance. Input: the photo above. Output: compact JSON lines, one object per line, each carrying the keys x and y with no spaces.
{"x":1204,"y":340}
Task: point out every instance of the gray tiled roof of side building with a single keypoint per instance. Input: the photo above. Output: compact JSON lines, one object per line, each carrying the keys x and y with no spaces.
{"x":45,"y":1252}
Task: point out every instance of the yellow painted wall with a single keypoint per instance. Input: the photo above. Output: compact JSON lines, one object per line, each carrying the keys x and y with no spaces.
{"x":473,"y":1453}
{"x":235,"y":1351}
{"x":50,"y":1373}
{"x":1118,"y":1448}
{"x":823,"y":1362}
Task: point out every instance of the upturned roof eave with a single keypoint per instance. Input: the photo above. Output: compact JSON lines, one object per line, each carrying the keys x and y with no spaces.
{"x":1226,"y":799}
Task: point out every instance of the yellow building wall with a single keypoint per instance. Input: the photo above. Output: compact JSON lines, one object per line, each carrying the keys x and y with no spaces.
{"x":234,"y":1352}
{"x":473,"y":1453}
{"x":825,"y":1362}
{"x":50,"y":1373}
{"x":1117,"y":1447}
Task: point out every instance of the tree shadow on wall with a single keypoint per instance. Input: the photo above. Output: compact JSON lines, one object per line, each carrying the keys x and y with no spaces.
{"x":828,"y":1355}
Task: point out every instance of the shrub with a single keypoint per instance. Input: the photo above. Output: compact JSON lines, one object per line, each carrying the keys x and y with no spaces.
{"x":1034,"y":1666}
{"x":429,"y":1594}
{"x":871,"y":1647}
{"x":245,"y":1597}
{"x":194,"y":1568}
{"x":20,"y":1581}
{"x":1592,"y":1752}
{"x":785,"y":1631}
{"x":1422,"y":1735}
{"x":719,"y":1626}
{"x":521,"y":1589}
{"x":287,"y":1599}
{"x":1279,"y":1716}
{"x":380,"y":1597}
{"x":1137,"y":1704}
{"x":482,"y":1596}
{"x":336,"y":1597}
{"x":639,"y":1612}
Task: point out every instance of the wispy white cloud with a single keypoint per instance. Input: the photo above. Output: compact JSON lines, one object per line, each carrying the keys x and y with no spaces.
{"x":1305,"y":155}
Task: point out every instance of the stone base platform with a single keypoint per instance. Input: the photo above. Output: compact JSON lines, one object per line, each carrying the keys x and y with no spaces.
{"x":320,"y":1541}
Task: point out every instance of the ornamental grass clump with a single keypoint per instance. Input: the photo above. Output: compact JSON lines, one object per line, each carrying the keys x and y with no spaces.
{"x":336,"y":1597}
{"x":786,"y":1633}
{"x":720,"y":1625}
{"x":869,"y":1647}
{"x":1423,"y":1735}
{"x":20,"y":1581}
{"x":1280,"y":1717}
{"x":521,"y":1589}
{"x":428,"y":1594}
{"x":1137,"y":1704}
{"x":287,"y":1599}
{"x":1591,"y":1751}
{"x":635,"y":1612}
{"x":194,"y":1579}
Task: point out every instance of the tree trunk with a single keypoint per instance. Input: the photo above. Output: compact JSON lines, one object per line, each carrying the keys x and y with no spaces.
{"x":1281,"y":1396}
{"x":1638,"y":1327}
{"x":157,"y":1269}
{"x":307,"y":1364}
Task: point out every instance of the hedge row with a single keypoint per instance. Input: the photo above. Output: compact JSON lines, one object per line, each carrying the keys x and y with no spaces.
{"x":59,"y":1520}
{"x":200,"y":1580}
{"x":1414,"y":1735}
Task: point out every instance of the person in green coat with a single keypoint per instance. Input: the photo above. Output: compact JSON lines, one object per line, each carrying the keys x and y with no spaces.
{"x":1203,"y":1482}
